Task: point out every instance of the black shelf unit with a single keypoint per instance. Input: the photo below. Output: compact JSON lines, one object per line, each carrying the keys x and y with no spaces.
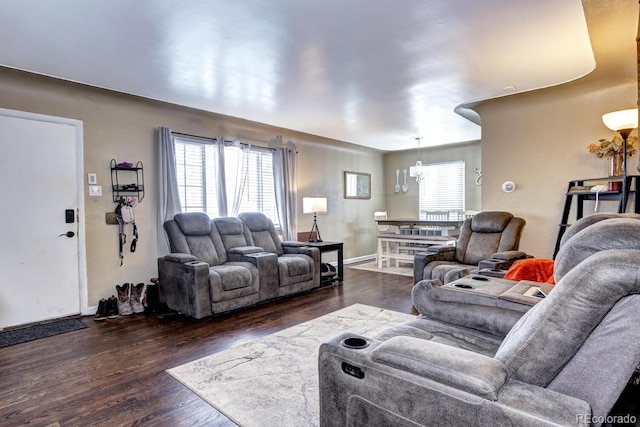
{"x":134,"y":178}
{"x":620,"y":189}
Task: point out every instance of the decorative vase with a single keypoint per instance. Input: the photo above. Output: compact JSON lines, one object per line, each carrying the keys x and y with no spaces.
{"x":617,"y":162}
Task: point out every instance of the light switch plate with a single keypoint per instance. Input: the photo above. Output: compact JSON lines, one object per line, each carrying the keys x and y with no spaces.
{"x":92,"y":179}
{"x":95,"y":190}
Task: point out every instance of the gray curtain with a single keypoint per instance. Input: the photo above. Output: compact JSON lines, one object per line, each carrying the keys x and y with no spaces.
{"x":168,"y":196}
{"x":285,"y":171}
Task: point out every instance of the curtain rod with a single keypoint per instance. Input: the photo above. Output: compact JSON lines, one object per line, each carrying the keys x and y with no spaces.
{"x":216,"y":139}
{"x":197,"y":136}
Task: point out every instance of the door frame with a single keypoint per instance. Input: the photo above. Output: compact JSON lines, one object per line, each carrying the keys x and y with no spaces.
{"x":80,"y":215}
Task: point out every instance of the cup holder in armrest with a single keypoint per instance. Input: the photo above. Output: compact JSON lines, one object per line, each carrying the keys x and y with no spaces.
{"x":463,"y":286}
{"x":480,"y":278}
{"x":355,"y":343}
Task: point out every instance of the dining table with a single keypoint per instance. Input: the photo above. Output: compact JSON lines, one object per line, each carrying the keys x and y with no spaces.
{"x":412,"y":223}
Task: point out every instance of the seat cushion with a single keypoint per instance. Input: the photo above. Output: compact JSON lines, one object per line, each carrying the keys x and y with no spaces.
{"x":455,"y":336}
{"x":233,"y":280}
{"x":295,"y":268}
{"x":233,"y":276}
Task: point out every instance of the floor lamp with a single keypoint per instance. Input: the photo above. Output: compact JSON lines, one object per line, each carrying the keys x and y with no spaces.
{"x":314,"y":205}
{"x":623,"y":121}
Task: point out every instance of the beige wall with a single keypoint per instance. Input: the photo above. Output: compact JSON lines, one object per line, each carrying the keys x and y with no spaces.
{"x":539,"y":141}
{"x":405,"y":205}
{"x":124,"y":127}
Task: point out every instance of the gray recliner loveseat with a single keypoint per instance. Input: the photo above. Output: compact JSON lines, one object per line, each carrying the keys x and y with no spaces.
{"x":215,"y":267}
{"x":564,"y":362}
{"x":488,"y":240}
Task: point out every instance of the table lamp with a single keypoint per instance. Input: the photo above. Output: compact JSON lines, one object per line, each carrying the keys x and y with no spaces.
{"x":314,"y":205}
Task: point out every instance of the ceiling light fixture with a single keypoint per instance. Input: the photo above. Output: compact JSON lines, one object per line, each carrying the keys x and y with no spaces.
{"x":417,"y":171}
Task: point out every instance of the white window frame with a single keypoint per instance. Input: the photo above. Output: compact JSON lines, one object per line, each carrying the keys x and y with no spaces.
{"x":200,"y":191}
{"x":442,"y":187}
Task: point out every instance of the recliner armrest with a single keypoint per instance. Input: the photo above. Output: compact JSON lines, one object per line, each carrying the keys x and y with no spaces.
{"x":292,"y":243}
{"x":509,"y":255}
{"x":179,"y":257}
{"x":441,"y":249}
{"x":305,"y":250}
{"x":267,"y":265}
{"x":184,"y":284}
{"x":261,"y":259}
{"x":465,"y":370}
{"x":434,"y":253}
{"x":244,"y":250}
{"x":502,"y":260}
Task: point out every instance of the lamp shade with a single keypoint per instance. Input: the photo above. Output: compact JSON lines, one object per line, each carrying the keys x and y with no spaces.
{"x":623,"y":119}
{"x":314,"y":204}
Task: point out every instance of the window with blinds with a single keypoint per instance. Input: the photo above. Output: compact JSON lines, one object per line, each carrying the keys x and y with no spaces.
{"x":442,"y":187}
{"x":196,"y":175}
{"x":248,"y":179}
{"x":252,"y":171}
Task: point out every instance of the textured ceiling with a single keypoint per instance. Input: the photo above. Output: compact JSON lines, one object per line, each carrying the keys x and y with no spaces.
{"x":372,"y":72}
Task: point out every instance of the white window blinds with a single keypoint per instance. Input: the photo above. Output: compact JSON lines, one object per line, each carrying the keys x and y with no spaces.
{"x":442,"y":187}
{"x":248,"y":181}
{"x":195,"y":166}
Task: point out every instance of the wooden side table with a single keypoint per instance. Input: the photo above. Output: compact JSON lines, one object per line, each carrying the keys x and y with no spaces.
{"x":330,"y":247}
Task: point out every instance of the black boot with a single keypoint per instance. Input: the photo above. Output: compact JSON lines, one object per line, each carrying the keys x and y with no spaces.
{"x":112,"y":307}
{"x":152,"y":300}
{"x":101,"y":313}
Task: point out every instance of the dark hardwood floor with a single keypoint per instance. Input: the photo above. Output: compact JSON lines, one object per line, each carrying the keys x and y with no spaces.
{"x":113,"y":372}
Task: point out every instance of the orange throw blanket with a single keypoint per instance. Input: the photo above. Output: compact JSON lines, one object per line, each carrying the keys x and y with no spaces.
{"x":535,"y":269}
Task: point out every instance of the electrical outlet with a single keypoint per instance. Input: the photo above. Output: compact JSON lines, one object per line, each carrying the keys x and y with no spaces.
{"x":95,"y":190}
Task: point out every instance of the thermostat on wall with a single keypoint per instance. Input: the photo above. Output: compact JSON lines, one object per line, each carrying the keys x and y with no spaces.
{"x":508,"y":186}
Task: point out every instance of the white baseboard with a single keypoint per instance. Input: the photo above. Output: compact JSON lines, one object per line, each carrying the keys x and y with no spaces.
{"x":354,"y":260}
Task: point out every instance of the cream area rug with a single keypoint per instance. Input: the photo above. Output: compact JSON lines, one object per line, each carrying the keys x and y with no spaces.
{"x":403,"y":270}
{"x":273,"y":381}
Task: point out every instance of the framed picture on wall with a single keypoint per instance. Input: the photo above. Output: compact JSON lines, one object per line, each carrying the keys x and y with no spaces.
{"x":357,"y":185}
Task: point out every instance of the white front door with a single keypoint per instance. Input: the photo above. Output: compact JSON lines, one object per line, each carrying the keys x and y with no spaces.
{"x":40,"y":166}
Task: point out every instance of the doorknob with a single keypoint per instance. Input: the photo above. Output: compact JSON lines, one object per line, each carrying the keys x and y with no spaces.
{"x":68,"y":234}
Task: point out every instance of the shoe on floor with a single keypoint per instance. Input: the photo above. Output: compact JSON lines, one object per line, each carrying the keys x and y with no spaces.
{"x":112,"y":307}
{"x":136,"y":297}
{"x":101,"y":313}
{"x":124,"y":300}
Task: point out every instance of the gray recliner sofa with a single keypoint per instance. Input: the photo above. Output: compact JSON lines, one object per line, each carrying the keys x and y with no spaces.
{"x":488,"y":240}
{"x":494,"y":304}
{"x":198,"y":278}
{"x":215,"y":267}
{"x":565,"y":361}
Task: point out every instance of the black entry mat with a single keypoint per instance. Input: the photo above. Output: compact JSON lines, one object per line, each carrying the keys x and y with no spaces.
{"x":31,"y":333}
